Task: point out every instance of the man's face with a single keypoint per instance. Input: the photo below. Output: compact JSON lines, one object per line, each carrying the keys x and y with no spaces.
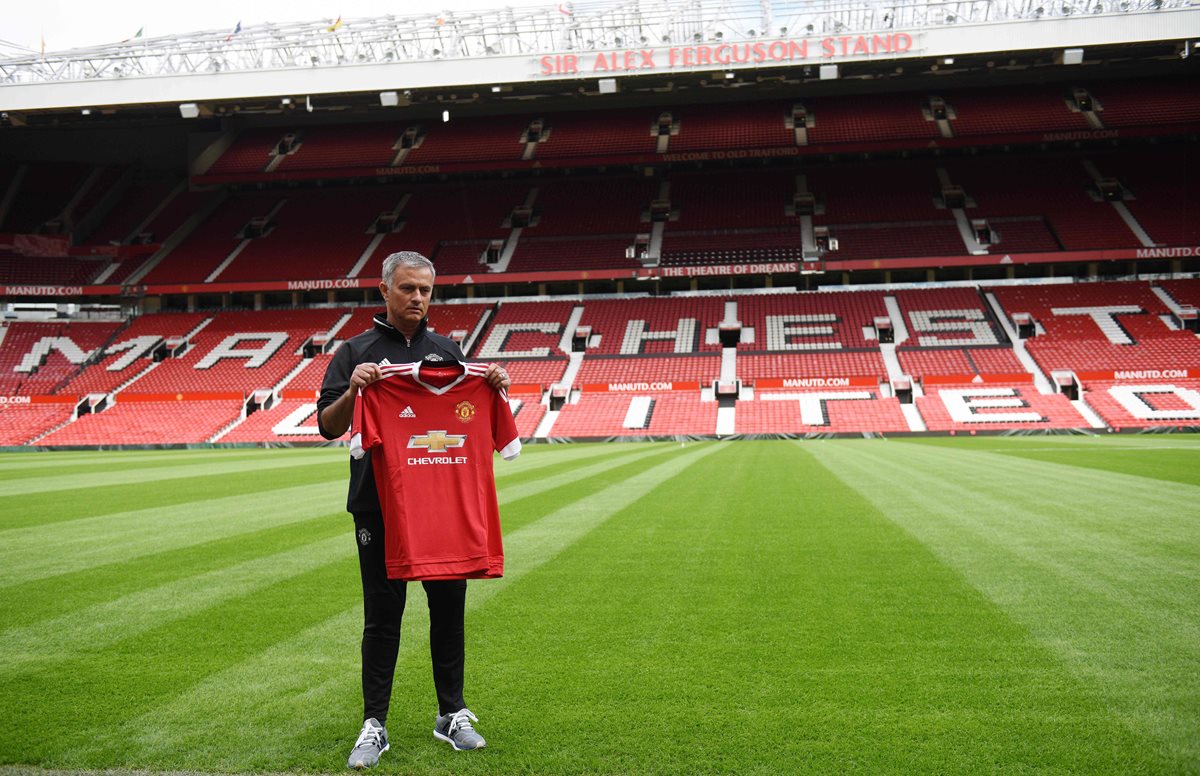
{"x":408,"y":299}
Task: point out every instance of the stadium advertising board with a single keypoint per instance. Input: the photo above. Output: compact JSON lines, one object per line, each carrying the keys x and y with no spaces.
{"x":1139,"y":375}
{"x":826,"y":263}
{"x":1017,"y":377}
{"x":14,"y":401}
{"x":816,"y":382}
{"x":641,"y":387}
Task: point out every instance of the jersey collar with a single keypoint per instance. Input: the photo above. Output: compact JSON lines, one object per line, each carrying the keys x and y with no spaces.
{"x":435,"y":365}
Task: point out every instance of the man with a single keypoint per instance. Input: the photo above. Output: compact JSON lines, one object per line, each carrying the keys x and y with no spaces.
{"x":400,"y":335}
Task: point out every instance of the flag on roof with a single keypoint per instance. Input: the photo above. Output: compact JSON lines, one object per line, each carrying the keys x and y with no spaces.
{"x":334,"y":27}
{"x":236,"y":30}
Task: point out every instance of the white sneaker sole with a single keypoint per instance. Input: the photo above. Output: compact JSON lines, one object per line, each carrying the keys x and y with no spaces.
{"x":362,"y":766}
{"x":456,"y":747}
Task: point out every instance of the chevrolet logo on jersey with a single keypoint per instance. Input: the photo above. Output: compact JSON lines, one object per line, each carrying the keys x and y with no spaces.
{"x":437,"y":441}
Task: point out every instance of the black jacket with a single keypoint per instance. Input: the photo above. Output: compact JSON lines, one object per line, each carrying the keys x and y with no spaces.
{"x":381,"y":344}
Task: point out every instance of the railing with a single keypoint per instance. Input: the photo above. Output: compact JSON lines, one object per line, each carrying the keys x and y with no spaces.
{"x":580,"y":26}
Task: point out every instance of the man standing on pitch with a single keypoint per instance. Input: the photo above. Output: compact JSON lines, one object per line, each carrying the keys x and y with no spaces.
{"x":399,"y":336}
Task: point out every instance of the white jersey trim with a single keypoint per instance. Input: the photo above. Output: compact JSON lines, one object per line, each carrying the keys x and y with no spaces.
{"x":511,"y":450}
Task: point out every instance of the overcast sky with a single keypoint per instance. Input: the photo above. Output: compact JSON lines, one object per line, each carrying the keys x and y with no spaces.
{"x":74,"y":23}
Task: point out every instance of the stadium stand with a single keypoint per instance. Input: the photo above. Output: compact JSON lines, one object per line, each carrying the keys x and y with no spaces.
{"x":646,"y":225}
{"x":634,"y":370}
{"x":643,"y":326}
{"x":38,"y":357}
{"x":1159,"y":192}
{"x":207,"y":248}
{"x":579,"y":134}
{"x":810,"y":321}
{"x":134,"y":207}
{"x":1100,"y":326}
{"x":21,"y":423}
{"x":18,"y":270}
{"x":471,"y":139}
{"x":1147,"y":403}
{"x":319,"y":234}
{"x":131,"y":351}
{"x":238,"y":351}
{"x":975,"y":407}
{"x":1058,"y":190}
{"x":46,"y":190}
{"x":756,"y":366}
{"x":600,"y":415}
{"x":741,"y":125}
{"x":524,"y":330}
{"x":883,"y":117}
{"x":149,"y":419}
{"x":527,"y":411}
{"x":836,"y":411}
{"x":1012,"y":110}
{"x":542,"y":372}
{"x":1183,"y":292}
{"x":287,"y":421}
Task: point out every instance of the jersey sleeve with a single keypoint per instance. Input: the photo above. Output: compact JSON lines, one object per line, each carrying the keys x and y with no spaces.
{"x":363,"y":434}
{"x":504,"y":428}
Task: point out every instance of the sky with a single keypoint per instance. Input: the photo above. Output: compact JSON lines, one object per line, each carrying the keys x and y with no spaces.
{"x":69,"y":24}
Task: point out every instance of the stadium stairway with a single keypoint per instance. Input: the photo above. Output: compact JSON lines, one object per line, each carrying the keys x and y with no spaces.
{"x":1039,"y":377}
{"x":912,"y":415}
{"x":1120,"y":207}
{"x":1085,"y":409}
{"x":177,"y":237}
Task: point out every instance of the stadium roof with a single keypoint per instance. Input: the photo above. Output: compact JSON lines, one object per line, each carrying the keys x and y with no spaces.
{"x":585,"y":41}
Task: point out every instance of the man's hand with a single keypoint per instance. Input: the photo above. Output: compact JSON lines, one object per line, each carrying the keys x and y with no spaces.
{"x":497,"y":377}
{"x":363,"y":375}
{"x":335,"y":418}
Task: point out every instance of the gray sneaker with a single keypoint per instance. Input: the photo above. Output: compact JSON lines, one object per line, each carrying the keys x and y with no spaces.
{"x":371,"y":743}
{"x":455,"y":729}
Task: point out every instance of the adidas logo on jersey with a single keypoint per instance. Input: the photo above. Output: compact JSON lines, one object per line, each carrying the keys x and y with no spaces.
{"x":408,"y":413}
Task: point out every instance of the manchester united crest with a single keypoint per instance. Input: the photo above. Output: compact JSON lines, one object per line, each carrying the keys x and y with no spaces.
{"x":464,"y":411}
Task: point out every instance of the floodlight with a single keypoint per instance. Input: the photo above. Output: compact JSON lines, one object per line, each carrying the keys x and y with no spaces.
{"x":389,"y":99}
{"x":1072,"y":56}
{"x":189,"y":110}
{"x":828,"y":72}
{"x":607,"y":85}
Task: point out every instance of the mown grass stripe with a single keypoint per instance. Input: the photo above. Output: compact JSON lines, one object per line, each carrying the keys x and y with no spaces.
{"x":58,"y":483}
{"x":44,"y":509}
{"x":1173,"y":464}
{"x":773,"y":622}
{"x":311,"y":679}
{"x":100,"y":625}
{"x":1114,"y":593}
{"x":560,"y":476}
{"x":96,"y":541}
{"x":43,"y":599}
{"x":84,"y":693}
{"x":1058,"y":517}
{"x":536,"y":457}
{"x":25,"y":466}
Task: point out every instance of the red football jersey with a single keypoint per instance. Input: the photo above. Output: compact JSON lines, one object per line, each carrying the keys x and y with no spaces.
{"x":431,"y":430}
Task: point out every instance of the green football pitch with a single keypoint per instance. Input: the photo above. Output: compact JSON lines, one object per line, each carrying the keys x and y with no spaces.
{"x":942,"y":605}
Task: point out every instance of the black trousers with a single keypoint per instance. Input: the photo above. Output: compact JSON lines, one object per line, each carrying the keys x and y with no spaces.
{"x":383,"y":609}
